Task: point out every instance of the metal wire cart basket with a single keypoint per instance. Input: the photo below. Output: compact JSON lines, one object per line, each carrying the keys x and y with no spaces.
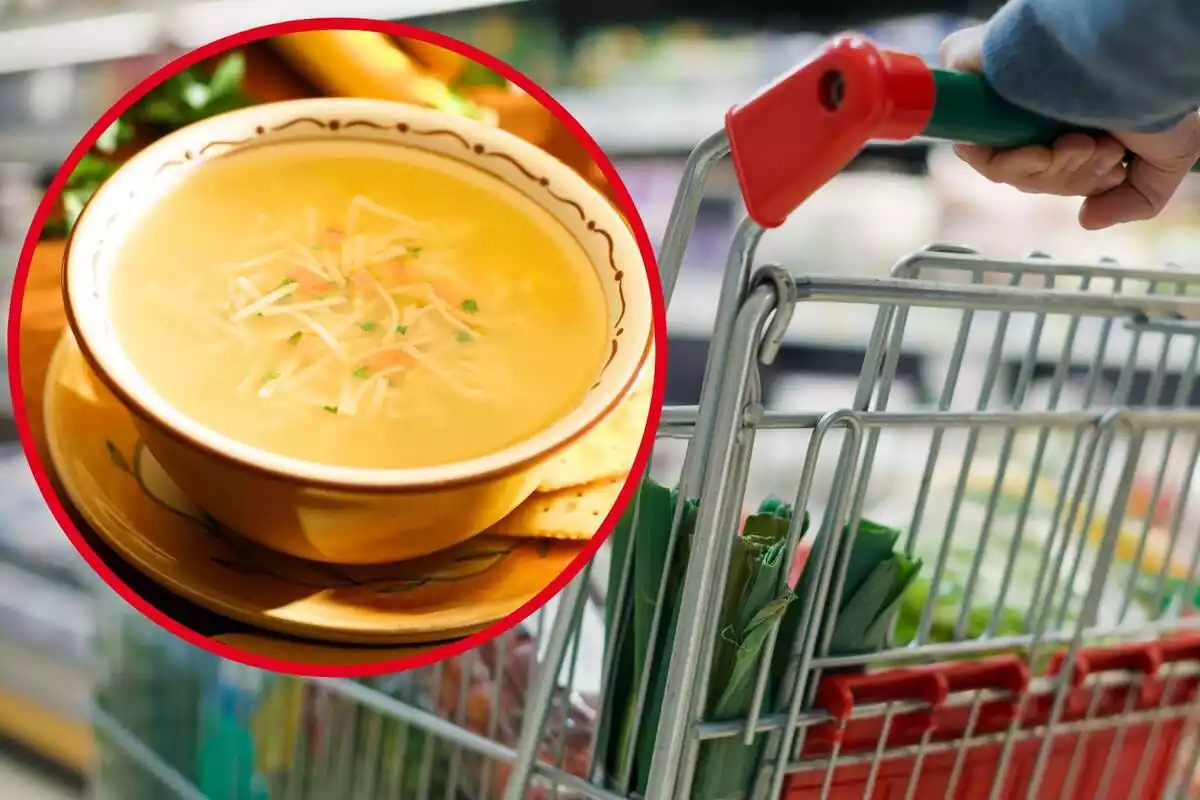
{"x":1014,"y":620}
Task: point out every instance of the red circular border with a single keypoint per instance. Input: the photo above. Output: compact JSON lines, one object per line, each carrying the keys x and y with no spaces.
{"x":623,"y":201}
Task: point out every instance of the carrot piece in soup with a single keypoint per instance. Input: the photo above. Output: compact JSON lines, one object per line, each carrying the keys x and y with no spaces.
{"x":310,"y":284}
{"x":450,"y":290}
{"x":388,"y":359}
{"x":310,"y":347}
{"x":391,"y":273}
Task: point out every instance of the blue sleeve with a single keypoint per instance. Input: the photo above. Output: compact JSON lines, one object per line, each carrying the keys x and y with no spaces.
{"x":1131,"y":65}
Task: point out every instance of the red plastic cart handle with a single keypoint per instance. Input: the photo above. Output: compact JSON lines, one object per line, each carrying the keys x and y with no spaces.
{"x":1142,"y":658}
{"x":930,"y":686}
{"x":796,"y":134}
{"x":801,"y":131}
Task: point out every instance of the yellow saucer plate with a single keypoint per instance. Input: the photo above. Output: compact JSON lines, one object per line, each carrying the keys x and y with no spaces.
{"x":123,"y":494}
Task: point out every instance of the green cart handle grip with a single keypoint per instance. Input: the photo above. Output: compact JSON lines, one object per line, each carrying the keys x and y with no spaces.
{"x":967,"y":109}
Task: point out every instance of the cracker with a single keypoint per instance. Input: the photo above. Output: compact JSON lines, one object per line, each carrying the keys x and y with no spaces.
{"x":608,"y":450}
{"x":569,"y":514}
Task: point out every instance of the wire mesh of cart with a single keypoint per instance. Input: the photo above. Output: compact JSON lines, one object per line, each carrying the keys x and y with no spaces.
{"x":987,"y":593}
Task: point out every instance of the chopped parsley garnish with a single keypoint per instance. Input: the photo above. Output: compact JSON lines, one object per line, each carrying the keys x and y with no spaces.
{"x":295,"y":338}
{"x":369,"y":326}
{"x":414,"y":251}
{"x":361,"y":372}
{"x":470,"y":306}
{"x":463,"y":336}
{"x":271,"y":376}
{"x":401,"y":329}
{"x":331,"y":409}
{"x":288,"y":282}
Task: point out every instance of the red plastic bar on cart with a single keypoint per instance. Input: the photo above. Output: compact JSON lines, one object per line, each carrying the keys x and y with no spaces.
{"x":795,"y":135}
{"x":1144,"y":751}
{"x":930,"y":686}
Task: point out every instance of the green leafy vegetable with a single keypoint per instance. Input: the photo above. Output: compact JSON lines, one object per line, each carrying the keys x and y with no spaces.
{"x":85,"y":180}
{"x":119,"y":133}
{"x":463,"y":336}
{"x":401,"y":329}
{"x":331,"y":409}
{"x":369,"y":326}
{"x":180,"y":100}
{"x":361,"y":372}
{"x":191,"y":95}
{"x":470,"y":306}
{"x":755,"y":603}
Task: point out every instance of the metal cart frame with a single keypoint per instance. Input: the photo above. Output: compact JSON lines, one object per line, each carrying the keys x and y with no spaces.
{"x":1121,"y":694}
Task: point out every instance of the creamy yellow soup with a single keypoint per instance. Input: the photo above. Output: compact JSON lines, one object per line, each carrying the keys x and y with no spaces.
{"x":355,"y":304}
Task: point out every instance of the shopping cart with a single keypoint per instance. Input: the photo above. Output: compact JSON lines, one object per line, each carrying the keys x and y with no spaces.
{"x":1050,"y":489}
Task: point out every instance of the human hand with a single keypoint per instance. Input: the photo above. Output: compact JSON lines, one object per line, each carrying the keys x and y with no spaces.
{"x":1082,"y":165}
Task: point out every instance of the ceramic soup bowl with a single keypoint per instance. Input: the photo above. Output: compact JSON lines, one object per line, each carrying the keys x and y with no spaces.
{"x":341,"y":514}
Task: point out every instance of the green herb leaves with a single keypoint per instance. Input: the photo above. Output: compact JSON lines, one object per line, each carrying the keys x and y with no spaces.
{"x":119,"y":133}
{"x":89,"y":174}
{"x":180,"y":100}
{"x":191,"y":95}
{"x":470,"y":306}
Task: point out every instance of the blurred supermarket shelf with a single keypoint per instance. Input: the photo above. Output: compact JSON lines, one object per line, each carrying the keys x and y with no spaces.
{"x":30,"y":781}
{"x":192,"y":24}
{"x":657,"y":119}
{"x":30,"y":537}
{"x":46,"y":616}
{"x":666,"y":97}
{"x":37,"y":146}
{"x":651,"y":119}
{"x":83,"y":39}
{"x":45,"y":705}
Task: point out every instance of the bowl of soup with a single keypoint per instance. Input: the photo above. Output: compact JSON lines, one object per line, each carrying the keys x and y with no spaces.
{"x":354,"y":330}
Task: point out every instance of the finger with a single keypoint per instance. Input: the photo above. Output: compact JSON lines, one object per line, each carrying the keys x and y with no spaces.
{"x":1021,"y":167}
{"x":1098,"y":173}
{"x":1102,"y":185}
{"x":1109,"y":155}
{"x":1145,"y":193}
{"x":963,"y":50}
{"x":1070,"y":153}
{"x":1085,"y":184}
{"x":976,"y":155}
{"x":1112,"y":180}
